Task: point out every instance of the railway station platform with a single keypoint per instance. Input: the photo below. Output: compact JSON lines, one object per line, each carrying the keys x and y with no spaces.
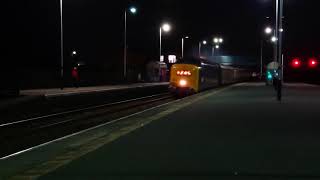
{"x":32,"y":94}
{"x":86,"y":90}
{"x":236,"y":132}
{"x":40,"y":102}
{"x":228,"y":133}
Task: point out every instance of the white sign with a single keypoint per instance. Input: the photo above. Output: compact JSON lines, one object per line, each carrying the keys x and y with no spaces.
{"x":172,"y":59}
{"x":162,"y":59}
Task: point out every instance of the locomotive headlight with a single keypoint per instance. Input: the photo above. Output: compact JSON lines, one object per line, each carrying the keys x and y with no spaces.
{"x":183,"y":82}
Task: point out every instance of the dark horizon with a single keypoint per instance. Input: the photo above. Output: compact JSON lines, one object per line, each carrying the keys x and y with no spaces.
{"x":95,"y":29}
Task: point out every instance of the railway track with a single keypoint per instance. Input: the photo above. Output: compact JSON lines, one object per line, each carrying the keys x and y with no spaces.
{"x":24,"y":134}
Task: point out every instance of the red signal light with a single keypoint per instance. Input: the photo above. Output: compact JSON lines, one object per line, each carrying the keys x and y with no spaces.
{"x":313,"y":63}
{"x":296,"y":63}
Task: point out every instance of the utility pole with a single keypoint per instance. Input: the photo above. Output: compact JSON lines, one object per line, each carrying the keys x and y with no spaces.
{"x":182,"y":47}
{"x":278,"y":52}
{"x":125,"y":47}
{"x":276,"y":33}
{"x":280,"y":33}
{"x":261,"y":59}
{"x":61,"y":45}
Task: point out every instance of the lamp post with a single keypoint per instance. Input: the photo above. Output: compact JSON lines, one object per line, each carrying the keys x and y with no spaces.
{"x":166,"y":28}
{"x":267,"y":31}
{"x":213,"y":51}
{"x":280,"y":32}
{"x":182,"y":45}
{"x":204,"y":42}
{"x":61,"y":45}
{"x":278,"y":46}
{"x":132,"y":10}
{"x":217,"y":41}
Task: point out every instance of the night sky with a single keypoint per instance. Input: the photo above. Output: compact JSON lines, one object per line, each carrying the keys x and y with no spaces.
{"x":95,"y":28}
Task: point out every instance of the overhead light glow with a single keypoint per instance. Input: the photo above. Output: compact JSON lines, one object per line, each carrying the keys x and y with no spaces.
{"x":296,"y":63}
{"x":133,"y":10}
{"x":166,"y":27}
{"x":313,"y":63}
{"x":268,"y":30}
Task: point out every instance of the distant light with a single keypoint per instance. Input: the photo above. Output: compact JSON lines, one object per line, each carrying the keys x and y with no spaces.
{"x":269,"y":75}
{"x":296,"y":63}
{"x":183,"y":82}
{"x":274,"y":39}
{"x":217,"y":46}
{"x":268,"y":30}
{"x":220,"y":40}
{"x":187,"y":37}
{"x":74,"y":52}
{"x":281,"y":30}
{"x":313,"y":62}
{"x":166,"y":27}
{"x":204,"y":42}
{"x":216,"y":40}
{"x":133,"y":10}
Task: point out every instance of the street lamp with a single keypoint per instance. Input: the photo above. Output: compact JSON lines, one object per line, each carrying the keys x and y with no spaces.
{"x":268,"y":30}
{"x":61,"y":45}
{"x":182,"y":45}
{"x":204,"y":42}
{"x":278,"y":45}
{"x":274,"y":39}
{"x":132,"y":10}
{"x":166,"y":28}
{"x":217,"y":41}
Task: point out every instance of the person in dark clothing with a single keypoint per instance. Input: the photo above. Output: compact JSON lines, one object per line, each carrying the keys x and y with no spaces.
{"x":75,"y":69}
{"x":75,"y":77}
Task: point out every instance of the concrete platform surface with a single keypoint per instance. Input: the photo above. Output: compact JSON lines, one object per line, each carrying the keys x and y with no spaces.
{"x":83,"y":90}
{"x":240,"y":132}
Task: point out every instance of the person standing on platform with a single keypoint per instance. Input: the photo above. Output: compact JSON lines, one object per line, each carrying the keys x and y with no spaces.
{"x":75,"y":77}
{"x":75,"y":69}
